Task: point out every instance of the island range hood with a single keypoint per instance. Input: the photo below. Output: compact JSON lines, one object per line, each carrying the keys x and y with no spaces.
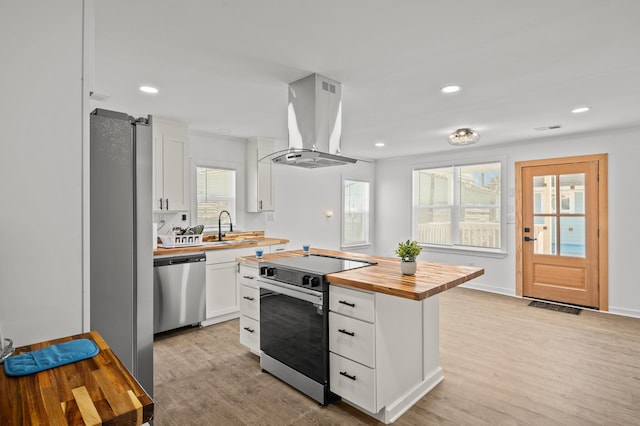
{"x":315,"y":124}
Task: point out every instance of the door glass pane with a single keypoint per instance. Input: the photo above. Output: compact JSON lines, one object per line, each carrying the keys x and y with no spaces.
{"x":572,"y":236}
{"x":544,"y":194}
{"x":572,"y":193}
{"x":544,"y":232}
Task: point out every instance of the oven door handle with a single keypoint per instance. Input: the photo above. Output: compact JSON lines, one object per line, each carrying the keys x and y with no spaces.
{"x":299,"y":293}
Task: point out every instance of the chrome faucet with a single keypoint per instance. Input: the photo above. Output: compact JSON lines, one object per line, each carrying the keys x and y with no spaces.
{"x":220,"y":226}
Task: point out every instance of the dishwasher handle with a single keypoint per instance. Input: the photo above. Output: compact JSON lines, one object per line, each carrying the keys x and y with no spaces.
{"x":179,"y":260}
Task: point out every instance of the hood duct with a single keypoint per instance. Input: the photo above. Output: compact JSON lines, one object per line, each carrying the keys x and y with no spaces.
{"x":315,"y":124}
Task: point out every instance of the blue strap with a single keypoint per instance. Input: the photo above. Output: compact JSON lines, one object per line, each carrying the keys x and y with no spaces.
{"x":50,"y":357}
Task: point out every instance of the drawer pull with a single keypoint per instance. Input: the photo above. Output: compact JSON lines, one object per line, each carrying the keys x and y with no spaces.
{"x":353,"y":305}
{"x":349,"y":333}
{"x":249,"y":329}
{"x":345,"y":374}
{"x":249,"y":277}
{"x":248,"y":298}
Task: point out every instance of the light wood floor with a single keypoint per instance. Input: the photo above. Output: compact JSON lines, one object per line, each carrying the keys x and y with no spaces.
{"x":504,"y":364}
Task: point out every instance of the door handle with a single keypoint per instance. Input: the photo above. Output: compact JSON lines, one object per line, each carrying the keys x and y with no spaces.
{"x":529,"y":239}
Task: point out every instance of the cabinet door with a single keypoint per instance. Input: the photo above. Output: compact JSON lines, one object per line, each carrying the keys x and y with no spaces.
{"x":170,"y":185}
{"x":222,"y":290}
{"x":260,"y":185}
{"x":174,"y":173}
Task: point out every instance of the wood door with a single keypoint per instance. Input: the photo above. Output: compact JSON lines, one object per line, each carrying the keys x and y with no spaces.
{"x":559,"y":234}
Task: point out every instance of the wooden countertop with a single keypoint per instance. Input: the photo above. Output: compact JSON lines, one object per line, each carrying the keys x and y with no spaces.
{"x":385,"y":277}
{"x":212,"y":245}
{"x":97,"y":390}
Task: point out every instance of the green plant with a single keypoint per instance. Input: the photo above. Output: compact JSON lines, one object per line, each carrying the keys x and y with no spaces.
{"x":408,"y":251}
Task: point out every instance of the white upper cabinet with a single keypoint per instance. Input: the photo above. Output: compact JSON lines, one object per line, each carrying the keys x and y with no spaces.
{"x":260,"y":184}
{"x":170,"y":166}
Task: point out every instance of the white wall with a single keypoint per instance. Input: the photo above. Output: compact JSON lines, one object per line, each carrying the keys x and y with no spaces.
{"x":41,"y":169}
{"x":393,"y":208}
{"x":228,"y":153}
{"x":302,"y":198}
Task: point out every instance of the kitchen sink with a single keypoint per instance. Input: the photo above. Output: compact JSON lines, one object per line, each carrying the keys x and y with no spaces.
{"x":218,"y":243}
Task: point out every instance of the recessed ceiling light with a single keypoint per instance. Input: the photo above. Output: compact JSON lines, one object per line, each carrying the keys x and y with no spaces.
{"x":224,"y":130}
{"x":379,"y":144}
{"x":450,"y":89}
{"x":580,"y":110}
{"x":148,"y":89}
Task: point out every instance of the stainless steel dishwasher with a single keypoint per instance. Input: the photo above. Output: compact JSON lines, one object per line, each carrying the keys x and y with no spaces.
{"x":178,"y":291}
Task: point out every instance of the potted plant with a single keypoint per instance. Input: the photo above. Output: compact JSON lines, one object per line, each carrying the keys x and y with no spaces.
{"x":408,"y":251}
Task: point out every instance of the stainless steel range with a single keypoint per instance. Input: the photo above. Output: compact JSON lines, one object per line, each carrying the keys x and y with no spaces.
{"x":294,"y":320}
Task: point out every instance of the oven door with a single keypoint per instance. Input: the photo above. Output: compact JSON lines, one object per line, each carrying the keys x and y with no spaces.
{"x":294,"y":327}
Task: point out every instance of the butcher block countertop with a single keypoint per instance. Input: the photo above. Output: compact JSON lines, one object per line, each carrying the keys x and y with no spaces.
{"x":97,"y":390}
{"x":385,"y":277}
{"x":231,"y":241}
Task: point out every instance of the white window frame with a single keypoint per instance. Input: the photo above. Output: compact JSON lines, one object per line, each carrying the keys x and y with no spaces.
{"x":368,"y":219}
{"x":225,"y":225}
{"x":458,"y":249}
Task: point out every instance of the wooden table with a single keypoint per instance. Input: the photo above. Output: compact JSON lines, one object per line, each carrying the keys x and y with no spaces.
{"x":98,"y":390}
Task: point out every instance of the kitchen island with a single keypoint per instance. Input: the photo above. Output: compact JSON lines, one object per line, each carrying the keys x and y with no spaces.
{"x":383,"y":328}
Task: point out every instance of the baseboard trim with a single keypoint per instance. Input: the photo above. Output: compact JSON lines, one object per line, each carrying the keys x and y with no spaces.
{"x":490,"y":289}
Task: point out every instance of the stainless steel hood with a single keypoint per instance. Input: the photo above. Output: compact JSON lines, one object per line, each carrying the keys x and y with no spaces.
{"x":315,"y":124}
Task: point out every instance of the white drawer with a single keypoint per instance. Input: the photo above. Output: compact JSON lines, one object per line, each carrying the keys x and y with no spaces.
{"x":353,"y":303}
{"x":250,"y":302}
{"x":353,"y":382}
{"x":275,"y":248}
{"x":352,"y":338}
{"x":250,"y":333}
{"x":248,"y":276}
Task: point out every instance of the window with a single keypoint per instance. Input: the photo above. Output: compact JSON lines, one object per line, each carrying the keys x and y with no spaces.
{"x":215,"y":192}
{"x":458,"y":205}
{"x":355,"y":213}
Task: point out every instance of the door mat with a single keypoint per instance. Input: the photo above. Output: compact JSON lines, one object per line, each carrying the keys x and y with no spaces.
{"x":554,"y":307}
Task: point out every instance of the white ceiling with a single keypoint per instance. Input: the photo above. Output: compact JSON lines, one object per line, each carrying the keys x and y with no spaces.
{"x":226,"y":64}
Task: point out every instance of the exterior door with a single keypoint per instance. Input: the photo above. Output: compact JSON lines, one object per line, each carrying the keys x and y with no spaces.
{"x":559,"y":226}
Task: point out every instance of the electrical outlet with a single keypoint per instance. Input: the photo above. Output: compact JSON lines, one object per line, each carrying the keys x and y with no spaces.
{"x":184,"y":217}
{"x":271,"y":216}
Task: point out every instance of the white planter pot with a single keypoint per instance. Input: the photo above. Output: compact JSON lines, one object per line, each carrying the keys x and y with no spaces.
{"x":408,"y":268}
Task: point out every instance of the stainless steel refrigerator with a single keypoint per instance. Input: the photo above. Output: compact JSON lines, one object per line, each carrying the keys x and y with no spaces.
{"x":121,"y":251}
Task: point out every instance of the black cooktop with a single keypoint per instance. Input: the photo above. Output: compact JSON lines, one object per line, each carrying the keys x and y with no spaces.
{"x":319,"y":264}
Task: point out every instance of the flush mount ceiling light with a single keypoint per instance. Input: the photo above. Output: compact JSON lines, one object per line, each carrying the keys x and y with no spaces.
{"x":580,"y":110}
{"x":450,"y":89}
{"x":379,"y":144}
{"x":148,"y":89}
{"x":464,"y":136}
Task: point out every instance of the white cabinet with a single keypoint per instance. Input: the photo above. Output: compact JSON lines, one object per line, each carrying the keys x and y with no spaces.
{"x":260,"y":184}
{"x":249,"y":308}
{"x":170,"y":167}
{"x":222,"y":295}
{"x":274,"y":248}
{"x":380,"y":354}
